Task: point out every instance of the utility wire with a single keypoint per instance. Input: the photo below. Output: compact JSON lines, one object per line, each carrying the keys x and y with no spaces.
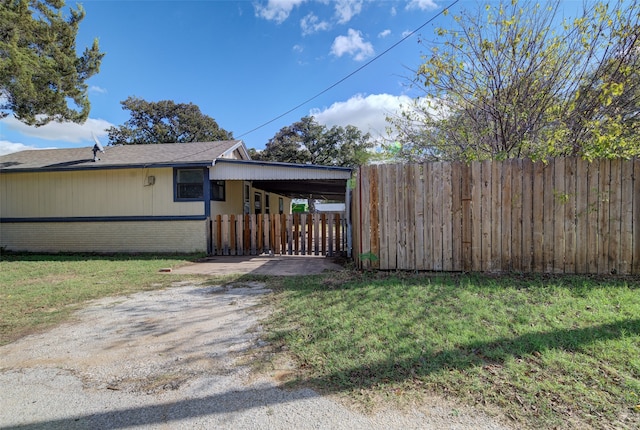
{"x":352,"y":73}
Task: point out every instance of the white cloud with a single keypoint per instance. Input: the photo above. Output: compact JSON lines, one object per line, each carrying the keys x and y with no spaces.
{"x":298,"y":48}
{"x":311,"y":24}
{"x":7,"y":147}
{"x":97,"y":89}
{"x":366,"y":113}
{"x":60,"y":131}
{"x":384,"y":33}
{"x":352,"y":44}
{"x":422,"y":5}
{"x":347,"y":9}
{"x":277,"y":10}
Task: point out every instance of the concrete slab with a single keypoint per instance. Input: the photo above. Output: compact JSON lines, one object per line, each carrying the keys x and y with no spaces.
{"x":290,"y":265}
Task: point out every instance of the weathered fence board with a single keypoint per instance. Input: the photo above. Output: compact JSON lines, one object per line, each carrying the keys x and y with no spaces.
{"x":466,"y":218}
{"x":565,"y":215}
{"x":593,"y":180}
{"x":636,"y":217}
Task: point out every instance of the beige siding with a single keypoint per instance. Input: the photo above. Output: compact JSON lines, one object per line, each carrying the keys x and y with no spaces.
{"x":118,"y":192}
{"x":233,"y":199}
{"x":273,"y":202}
{"x":234,"y":202}
{"x":147,"y":236}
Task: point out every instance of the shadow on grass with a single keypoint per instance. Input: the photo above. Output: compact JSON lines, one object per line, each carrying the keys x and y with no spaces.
{"x":216,"y":406}
{"x":398,"y":369}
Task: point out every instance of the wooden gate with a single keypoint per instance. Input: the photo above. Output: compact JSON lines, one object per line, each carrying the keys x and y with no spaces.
{"x":280,"y":234}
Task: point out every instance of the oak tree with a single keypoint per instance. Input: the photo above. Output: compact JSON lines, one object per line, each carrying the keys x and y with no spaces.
{"x":165,"y":122}
{"x":306,"y":141}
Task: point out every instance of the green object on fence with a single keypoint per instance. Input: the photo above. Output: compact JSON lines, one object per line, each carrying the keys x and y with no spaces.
{"x":298,"y":207}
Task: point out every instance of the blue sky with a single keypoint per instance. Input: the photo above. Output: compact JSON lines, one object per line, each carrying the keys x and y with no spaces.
{"x":245,"y":63}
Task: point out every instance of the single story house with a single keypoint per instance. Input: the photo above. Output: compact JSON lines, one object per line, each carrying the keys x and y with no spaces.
{"x":144,"y":198}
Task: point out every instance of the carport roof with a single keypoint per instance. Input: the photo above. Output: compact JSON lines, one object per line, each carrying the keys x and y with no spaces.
{"x":291,"y":180}
{"x":228,"y":169}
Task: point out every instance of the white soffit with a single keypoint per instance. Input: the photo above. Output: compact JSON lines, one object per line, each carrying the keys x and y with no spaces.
{"x":261,"y":171}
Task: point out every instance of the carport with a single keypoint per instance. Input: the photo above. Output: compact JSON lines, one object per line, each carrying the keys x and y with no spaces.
{"x":304,"y":181}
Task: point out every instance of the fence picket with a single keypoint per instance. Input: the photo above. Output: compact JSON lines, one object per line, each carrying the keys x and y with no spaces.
{"x":374,"y":206}
{"x":635,"y":268}
{"x":338,"y":229}
{"x":225,"y":234}
{"x":538,"y":203}
{"x":626,"y":219}
{"x":486,"y":215}
{"x":615,"y":203}
{"x":547,"y":226}
{"x":418,"y":184}
{"x":496,"y":216}
{"x":506,"y":208}
{"x":239,"y":235}
{"x":570,"y":215}
{"x":254,"y":239}
{"x":517,"y":199}
{"x":365,"y":221}
{"x":582,"y":216}
{"x":559,"y":202}
{"x":593,"y":212}
{"x":603,"y":215}
{"x":437,"y":215}
{"x":409,"y":207}
{"x":527,"y":216}
{"x":390,"y":181}
{"x":447,"y":217}
{"x":232,"y":234}
{"x":277,"y":234}
{"x":330,"y":239}
{"x":302,"y":238}
{"x":456,"y":214}
{"x":475,"y":221}
{"x":289,"y":230}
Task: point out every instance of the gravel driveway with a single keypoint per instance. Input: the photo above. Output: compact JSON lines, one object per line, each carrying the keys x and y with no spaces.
{"x":168,"y":360}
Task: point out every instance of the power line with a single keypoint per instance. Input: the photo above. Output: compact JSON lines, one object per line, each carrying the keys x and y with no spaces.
{"x":352,"y":73}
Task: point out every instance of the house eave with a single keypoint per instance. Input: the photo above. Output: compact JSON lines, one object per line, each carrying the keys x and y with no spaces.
{"x":107,"y":167}
{"x":284,"y":165}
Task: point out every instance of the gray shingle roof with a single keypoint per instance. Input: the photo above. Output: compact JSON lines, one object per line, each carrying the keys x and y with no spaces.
{"x":166,"y":154}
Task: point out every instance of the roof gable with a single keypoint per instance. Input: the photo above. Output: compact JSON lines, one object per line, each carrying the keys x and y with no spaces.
{"x":119,"y":156}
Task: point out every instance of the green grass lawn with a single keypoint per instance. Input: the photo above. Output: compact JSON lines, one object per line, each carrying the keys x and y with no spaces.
{"x":37,"y":291}
{"x":547,"y":351}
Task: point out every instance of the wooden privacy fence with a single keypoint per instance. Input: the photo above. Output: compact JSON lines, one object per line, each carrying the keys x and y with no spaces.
{"x":563,"y":216}
{"x":292,"y":234}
